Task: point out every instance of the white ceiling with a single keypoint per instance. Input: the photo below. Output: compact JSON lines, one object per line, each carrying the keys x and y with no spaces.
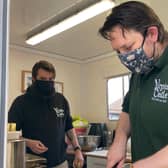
{"x":79,"y":43}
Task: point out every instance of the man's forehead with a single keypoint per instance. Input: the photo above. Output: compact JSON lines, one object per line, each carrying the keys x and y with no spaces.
{"x":43,"y":72}
{"x":116,"y":32}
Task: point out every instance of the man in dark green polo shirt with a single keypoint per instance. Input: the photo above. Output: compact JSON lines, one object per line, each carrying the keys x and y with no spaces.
{"x":140,"y":40}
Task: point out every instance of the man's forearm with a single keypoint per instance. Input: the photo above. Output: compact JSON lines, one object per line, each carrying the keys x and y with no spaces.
{"x":123,"y":129}
{"x":28,"y":141}
{"x":72,"y":137}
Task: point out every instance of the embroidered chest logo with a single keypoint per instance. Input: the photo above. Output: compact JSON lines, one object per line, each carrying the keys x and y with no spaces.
{"x":160,"y":92}
{"x":59,"y":112}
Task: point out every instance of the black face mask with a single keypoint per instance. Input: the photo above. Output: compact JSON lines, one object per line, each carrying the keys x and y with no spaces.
{"x":46,"y":88}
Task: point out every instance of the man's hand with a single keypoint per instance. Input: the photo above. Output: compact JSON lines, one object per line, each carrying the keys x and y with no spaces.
{"x":117,"y":152}
{"x":116,"y":156}
{"x":79,"y":160}
{"x":36,"y":146}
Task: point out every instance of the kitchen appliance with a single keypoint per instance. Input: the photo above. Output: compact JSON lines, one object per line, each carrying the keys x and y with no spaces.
{"x":99,"y":129}
{"x":16,"y":153}
{"x":88,"y":142}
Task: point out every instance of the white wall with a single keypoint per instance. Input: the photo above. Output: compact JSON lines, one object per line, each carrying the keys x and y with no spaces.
{"x":66,"y":72}
{"x":84,"y":84}
{"x":93,"y":88}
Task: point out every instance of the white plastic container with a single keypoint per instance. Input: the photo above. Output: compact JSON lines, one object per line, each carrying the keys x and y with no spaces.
{"x":12,"y":135}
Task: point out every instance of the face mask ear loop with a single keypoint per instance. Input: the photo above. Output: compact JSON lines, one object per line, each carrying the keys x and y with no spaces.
{"x":154,"y":49}
{"x":144,"y":37}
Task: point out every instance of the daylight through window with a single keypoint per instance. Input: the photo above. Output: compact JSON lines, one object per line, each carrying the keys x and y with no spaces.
{"x":117,"y":87}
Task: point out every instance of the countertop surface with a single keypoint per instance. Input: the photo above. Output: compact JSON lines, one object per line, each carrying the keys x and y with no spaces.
{"x":102,"y":153}
{"x":98,"y":153}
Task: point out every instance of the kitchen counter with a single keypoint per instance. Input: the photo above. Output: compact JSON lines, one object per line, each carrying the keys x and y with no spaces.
{"x":98,"y":153}
{"x":98,"y":159}
{"x":103,"y":154}
{"x":93,"y":159}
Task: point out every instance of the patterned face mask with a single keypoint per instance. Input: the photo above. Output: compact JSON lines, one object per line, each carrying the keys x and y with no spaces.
{"x":137,"y":61}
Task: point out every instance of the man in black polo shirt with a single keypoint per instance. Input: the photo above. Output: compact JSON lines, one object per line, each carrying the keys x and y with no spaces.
{"x":43,"y":115}
{"x":141,"y":42}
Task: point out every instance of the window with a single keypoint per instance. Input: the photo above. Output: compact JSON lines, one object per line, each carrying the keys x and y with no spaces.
{"x":117,"y":88}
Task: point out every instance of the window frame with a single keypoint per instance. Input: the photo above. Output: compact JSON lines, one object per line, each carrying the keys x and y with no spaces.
{"x":115,"y":115}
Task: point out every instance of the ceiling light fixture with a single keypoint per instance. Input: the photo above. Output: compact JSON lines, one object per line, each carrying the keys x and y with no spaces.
{"x":71,"y":21}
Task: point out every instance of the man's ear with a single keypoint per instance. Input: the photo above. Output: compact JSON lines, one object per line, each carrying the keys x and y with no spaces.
{"x":152,"y":33}
{"x":33,"y":79}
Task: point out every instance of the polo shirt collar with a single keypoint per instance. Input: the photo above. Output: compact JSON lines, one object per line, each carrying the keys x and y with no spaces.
{"x":163,"y":60}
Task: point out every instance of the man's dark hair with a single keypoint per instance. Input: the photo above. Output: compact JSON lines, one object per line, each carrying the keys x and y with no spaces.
{"x":45,"y":65}
{"x":133,"y":15}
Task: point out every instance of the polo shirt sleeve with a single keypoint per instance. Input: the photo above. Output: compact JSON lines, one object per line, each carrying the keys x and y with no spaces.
{"x":15,"y":113}
{"x":125,"y":105}
{"x":126,"y":102}
{"x":68,"y":117}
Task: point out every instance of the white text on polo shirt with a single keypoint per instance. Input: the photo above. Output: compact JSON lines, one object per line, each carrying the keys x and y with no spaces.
{"x":160,"y":92}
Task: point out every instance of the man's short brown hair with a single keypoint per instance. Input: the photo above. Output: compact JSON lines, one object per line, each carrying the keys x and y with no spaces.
{"x":133,"y":15}
{"x":43,"y":65}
